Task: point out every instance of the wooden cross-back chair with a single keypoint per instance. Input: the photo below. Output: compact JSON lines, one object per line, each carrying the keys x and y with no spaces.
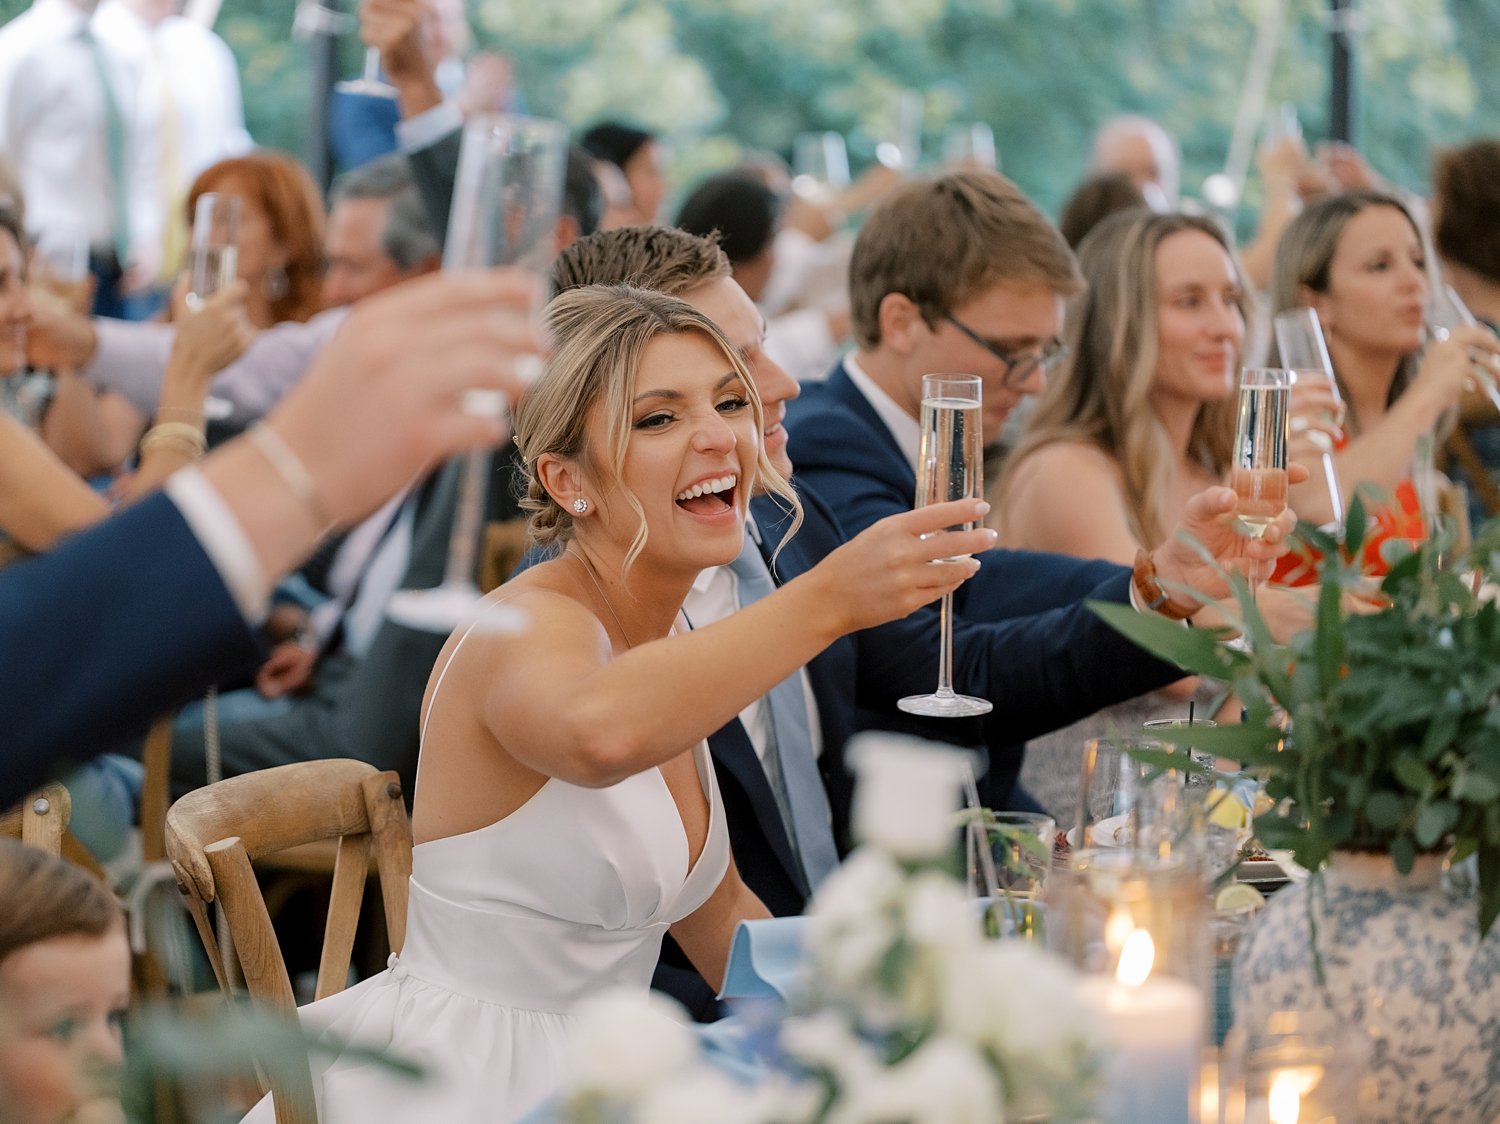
{"x":214,"y":836}
{"x":41,"y":819}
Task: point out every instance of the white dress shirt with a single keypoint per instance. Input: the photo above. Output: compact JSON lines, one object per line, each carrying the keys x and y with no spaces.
{"x":186,"y":112}
{"x":714,"y":596}
{"x":52,"y":121}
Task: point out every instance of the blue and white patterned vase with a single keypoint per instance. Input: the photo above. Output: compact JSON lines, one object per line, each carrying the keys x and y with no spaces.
{"x":1408,"y":979}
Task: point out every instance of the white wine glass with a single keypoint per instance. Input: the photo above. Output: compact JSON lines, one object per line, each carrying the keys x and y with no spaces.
{"x":1302,"y":349}
{"x":950,"y":466}
{"x":1257,"y":470}
{"x":505,"y":207}
{"x":213,"y":256}
{"x":369,"y":84}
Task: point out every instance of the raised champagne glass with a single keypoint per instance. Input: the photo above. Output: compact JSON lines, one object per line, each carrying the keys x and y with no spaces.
{"x":505,"y":207}
{"x":1258,"y":467}
{"x":369,"y":83}
{"x":1303,"y":350}
{"x":950,"y":466}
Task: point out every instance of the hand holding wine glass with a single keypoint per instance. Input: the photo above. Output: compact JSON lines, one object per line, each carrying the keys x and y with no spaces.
{"x":950,"y":466}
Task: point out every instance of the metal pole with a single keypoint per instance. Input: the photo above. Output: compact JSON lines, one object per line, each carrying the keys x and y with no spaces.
{"x":321,"y":24}
{"x":1342,"y":104}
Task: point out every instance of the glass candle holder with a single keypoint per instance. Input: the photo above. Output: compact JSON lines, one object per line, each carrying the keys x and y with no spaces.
{"x":1293,"y":1070}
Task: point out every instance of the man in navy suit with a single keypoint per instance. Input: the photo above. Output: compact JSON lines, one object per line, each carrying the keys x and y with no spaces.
{"x":1042,"y":671}
{"x":963,"y":274}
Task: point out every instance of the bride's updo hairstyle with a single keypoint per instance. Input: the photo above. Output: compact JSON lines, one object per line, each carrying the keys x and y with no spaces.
{"x":599,"y":334}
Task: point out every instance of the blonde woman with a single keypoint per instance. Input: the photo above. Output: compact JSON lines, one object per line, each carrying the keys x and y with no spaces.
{"x":1140,"y":419}
{"x":566,"y":813}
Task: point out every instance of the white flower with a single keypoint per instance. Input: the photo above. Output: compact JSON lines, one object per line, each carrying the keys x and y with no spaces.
{"x":626,"y":1042}
{"x":945,"y":1082}
{"x":825,"y":1041}
{"x":865,"y":884}
{"x":707,"y":1094}
{"x":907,"y":791}
{"x":938,"y":912}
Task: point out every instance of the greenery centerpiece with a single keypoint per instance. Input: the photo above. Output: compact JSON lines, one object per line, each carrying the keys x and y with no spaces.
{"x":1377,"y":729}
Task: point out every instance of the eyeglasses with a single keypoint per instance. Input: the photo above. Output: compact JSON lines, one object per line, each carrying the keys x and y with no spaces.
{"x":1018,"y":368}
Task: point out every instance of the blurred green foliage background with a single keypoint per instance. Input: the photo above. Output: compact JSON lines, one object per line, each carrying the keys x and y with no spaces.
{"x":717,"y":75}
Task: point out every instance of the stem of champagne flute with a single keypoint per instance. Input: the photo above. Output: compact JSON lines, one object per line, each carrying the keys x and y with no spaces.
{"x":1335,"y":497}
{"x":468,"y":513}
{"x":372,"y":65}
{"x":945,"y":649}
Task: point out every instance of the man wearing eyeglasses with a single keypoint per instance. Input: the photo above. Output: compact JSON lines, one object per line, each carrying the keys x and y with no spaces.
{"x":963,"y":275}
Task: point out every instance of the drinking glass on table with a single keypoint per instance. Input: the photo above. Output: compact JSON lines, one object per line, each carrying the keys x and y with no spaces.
{"x":505,"y":206}
{"x":1258,"y":461}
{"x":950,"y":466}
{"x":1304,"y":351}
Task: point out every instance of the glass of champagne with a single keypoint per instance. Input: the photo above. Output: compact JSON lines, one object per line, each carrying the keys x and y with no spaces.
{"x":1258,"y":465}
{"x":505,"y":207}
{"x":1303,"y":350}
{"x":950,"y":466}
{"x":1447,"y":311}
{"x":214,"y":254}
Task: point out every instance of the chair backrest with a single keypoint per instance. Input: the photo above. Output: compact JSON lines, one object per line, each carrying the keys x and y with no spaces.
{"x":214,"y":835}
{"x":41,"y":819}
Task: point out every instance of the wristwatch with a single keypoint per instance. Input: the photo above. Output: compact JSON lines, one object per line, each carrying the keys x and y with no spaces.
{"x":1149,"y":589}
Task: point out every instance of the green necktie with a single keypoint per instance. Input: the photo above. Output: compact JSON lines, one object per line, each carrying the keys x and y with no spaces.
{"x":114,"y":135}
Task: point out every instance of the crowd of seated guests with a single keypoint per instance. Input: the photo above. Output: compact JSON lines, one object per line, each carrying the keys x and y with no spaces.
{"x":1108,"y":350}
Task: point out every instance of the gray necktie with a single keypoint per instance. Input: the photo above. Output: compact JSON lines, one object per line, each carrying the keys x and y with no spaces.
{"x":789,"y":761}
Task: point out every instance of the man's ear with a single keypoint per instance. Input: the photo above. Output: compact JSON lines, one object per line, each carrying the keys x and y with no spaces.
{"x":901,"y":323}
{"x":563,"y":480}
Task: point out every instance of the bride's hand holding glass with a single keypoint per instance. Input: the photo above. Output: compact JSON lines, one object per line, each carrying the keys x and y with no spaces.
{"x":903,"y":562}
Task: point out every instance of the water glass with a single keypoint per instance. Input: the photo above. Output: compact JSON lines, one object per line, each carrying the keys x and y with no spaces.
{"x":1294,"y":1069}
{"x":1012,"y":876}
{"x":215,"y":245}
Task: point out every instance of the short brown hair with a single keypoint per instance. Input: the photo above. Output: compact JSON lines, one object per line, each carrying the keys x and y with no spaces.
{"x":1466,"y":197}
{"x":285,"y":191}
{"x":941,"y":241}
{"x":658,"y":258}
{"x":43,"y":896}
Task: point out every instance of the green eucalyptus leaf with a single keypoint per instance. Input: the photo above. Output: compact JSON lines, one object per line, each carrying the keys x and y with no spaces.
{"x":1476,"y":787}
{"x":1411,"y":772}
{"x":1354,"y":525}
{"x":1404,"y":851}
{"x":1329,"y":642}
{"x":1385,"y":809}
{"x":1196,"y":649}
{"x":1435,"y":821}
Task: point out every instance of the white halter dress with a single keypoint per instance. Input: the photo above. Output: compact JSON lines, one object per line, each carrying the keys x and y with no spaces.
{"x":509,"y":928}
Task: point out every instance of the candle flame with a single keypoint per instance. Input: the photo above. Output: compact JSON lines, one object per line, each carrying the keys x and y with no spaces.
{"x":1285,"y":1100}
{"x":1136,"y":959}
{"x":1118,"y":928}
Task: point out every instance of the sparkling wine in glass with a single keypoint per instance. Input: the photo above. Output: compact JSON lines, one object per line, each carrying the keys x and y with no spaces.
{"x":950,"y":466}
{"x":1258,"y":472}
{"x":214,"y":254}
{"x":1303,"y":350}
{"x":505,"y":207}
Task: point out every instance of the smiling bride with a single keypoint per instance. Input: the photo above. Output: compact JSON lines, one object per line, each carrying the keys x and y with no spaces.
{"x":566,"y":812}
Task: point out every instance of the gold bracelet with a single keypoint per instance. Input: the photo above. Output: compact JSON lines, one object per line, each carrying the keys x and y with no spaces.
{"x":193,"y":418}
{"x":292,"y":471}
{"x":184,"y":438}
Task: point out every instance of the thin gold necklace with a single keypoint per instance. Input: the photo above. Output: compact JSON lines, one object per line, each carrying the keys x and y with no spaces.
{"x":588,"y":569}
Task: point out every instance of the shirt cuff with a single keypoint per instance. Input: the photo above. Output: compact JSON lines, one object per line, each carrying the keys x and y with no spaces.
{"x":429,"y":126}
{"x":222,"y":539}
{"x":1140,"y":607}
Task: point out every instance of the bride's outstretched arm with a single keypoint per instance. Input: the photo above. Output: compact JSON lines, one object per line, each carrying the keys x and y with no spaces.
{"x":705,"y":934}
{"x":561,"y":705}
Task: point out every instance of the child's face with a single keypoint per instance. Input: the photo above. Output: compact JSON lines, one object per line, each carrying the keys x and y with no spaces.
{"x":61,"y":1001}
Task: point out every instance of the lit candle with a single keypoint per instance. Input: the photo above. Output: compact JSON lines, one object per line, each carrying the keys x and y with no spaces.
{"x":1152,"y":1028}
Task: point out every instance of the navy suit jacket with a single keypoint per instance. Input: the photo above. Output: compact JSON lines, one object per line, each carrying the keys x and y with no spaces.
{"x":116,"y":625}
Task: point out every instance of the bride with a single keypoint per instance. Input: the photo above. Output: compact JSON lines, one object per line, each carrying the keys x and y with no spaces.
{"x":566,"y":814}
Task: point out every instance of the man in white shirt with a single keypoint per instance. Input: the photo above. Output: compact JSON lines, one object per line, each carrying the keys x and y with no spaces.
{"x":186,"y":115}
{"x":65,"y":106}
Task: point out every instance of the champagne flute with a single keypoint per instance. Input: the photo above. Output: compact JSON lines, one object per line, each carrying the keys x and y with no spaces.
{"x":213,"y":263}
{"x":950,"y":466}
{"x":61,"y":266}
{"x":1258,"y":466}
{"x":369,"y":83}
{"x":1448,"y":311}
{"x":1303,"y":350}
{"x":820,"y":166}
{"x":505,"y":206}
